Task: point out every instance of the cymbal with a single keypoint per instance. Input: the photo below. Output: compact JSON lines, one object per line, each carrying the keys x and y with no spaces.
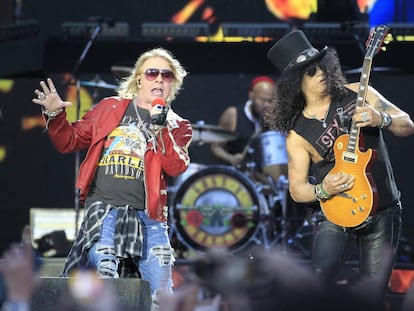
{"x":121,"y":71}
{"x":206,"y":133}
{"x":101,"y":84}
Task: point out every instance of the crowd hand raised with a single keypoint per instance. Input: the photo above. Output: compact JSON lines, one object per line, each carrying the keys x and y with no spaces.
{"x":18,"y":271}
{"x":48,"y":98}
{"x":338,"y":182}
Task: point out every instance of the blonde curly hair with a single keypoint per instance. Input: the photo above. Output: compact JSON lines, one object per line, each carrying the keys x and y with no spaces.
{"x":128,"y":87}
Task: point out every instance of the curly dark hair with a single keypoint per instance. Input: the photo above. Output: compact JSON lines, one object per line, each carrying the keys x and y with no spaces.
{"x":289,"y":101}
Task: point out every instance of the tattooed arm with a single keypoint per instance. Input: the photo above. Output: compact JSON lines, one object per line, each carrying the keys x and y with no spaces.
{"x":378,"y":108}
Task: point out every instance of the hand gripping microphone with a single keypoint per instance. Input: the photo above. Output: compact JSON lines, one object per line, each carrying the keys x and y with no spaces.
{"x":160,"y":117}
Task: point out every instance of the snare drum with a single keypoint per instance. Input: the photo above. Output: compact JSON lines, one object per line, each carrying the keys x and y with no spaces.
{"x":269,"y":153}
{"x":217,"y":206}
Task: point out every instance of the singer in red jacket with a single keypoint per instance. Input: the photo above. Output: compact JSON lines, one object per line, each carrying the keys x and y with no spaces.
{"x":133,"y":141}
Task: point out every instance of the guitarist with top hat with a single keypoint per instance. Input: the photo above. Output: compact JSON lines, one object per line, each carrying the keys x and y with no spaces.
{"x":335,"y":133}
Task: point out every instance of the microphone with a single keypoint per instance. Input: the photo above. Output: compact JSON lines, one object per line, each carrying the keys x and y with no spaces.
{"x":160,"y":117}
{"x":102,"y":20}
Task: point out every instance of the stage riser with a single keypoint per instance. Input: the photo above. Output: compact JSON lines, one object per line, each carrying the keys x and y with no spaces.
{"x":130,"y":294}
{"x":51,"y":267}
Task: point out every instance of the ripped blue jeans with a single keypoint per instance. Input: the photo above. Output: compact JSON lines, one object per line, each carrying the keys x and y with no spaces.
{"x":155,"y":265}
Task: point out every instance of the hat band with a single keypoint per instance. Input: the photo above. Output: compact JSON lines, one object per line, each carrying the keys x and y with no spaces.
{"x":304,"y":56}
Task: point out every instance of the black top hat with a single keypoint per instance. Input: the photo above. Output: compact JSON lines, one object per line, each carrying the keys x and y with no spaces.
{"x":293,"y":50}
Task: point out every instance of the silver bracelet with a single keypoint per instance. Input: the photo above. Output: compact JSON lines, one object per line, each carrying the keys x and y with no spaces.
{"x":386,"y":120}
{"x":53,"y":114}
{"x":50,"y":116}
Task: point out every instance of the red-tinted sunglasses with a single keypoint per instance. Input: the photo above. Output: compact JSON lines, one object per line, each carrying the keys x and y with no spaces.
{"x":152,"y":73}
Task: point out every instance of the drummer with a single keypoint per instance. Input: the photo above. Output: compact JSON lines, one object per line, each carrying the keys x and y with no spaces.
{"x":246,"y":120}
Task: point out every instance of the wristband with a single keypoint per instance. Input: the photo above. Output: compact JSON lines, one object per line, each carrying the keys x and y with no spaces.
{"x":386,"y":120}
{"x":53,"y":114}
{"x":320,"y":193}
{"x":50,"y":115}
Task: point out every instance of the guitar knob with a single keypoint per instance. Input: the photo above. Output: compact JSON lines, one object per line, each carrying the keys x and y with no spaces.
{"x":361,"y":208}
{"x":353,"y":212}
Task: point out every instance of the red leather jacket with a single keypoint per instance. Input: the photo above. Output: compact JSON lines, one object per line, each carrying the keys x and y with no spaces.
{"x":169,"y":156}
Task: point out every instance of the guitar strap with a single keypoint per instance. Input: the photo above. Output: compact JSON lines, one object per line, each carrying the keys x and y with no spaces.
{"x":344,"y":120}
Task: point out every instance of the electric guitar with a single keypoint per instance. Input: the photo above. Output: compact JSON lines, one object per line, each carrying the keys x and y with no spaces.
{"x":353,"y":207}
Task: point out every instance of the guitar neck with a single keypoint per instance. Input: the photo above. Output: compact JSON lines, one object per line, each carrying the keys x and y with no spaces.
{"x":360,"y":102}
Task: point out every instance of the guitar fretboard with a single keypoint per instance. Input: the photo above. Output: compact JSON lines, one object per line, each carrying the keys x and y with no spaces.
{"x":362,"y":94}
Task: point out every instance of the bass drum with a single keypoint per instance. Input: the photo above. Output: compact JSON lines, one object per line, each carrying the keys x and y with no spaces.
{"x":217,"y":207}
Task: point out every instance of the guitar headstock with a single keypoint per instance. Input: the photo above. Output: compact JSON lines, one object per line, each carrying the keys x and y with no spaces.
{"x":378,"y":36}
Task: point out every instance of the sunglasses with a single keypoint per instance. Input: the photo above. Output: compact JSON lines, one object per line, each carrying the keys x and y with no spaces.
{"x":311,"y":70}
{"x":152,"y":73}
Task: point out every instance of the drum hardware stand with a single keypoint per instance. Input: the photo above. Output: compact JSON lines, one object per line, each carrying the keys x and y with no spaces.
{"x":250,"y":168}
{"x":303,"y":232}
{"x":74,"y":79}
{"x":266,"y":221}
{"x":263,"y":238}
{"x":279,"y":194}
{"x":281,"y":187}
{"x":299,"y":235}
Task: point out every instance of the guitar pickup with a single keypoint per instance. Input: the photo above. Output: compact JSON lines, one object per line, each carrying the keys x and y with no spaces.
{"x":350,"y":157}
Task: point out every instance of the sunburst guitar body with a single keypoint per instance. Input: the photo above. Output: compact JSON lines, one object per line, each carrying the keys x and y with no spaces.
{"x":353,"y":207}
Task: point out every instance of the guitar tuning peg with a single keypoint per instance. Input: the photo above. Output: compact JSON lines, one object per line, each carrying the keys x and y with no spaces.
{"x":388,"y":38}
{"x":383,"y":48}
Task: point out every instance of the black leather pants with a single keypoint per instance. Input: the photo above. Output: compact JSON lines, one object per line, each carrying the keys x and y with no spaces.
{"x":375,"y":240}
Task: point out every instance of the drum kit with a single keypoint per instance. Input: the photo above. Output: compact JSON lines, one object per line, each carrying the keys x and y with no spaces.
{"x":234,"y":207}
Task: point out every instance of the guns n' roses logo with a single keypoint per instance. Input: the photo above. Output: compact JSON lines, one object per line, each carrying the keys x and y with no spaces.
{"x":216,"y":207}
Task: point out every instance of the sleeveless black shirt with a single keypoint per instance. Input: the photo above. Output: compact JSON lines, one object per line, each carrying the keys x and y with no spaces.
{"x":338,"y":121}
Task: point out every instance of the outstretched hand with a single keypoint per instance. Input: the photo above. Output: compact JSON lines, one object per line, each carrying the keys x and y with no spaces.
{"x":48,"y":97}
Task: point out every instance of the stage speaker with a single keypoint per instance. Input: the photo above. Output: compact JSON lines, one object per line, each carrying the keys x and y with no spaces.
{"x":128,"y":294}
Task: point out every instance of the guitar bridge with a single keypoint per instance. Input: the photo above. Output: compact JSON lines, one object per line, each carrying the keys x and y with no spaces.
{"x":350,"y":157}
{"x":344,"y":195}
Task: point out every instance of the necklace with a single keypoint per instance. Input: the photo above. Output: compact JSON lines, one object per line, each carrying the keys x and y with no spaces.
{"x":313,"y":117}
{"x":142,"y":124}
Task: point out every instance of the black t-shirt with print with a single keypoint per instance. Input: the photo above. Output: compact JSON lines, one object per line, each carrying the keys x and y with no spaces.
{"x":120,"y":174}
